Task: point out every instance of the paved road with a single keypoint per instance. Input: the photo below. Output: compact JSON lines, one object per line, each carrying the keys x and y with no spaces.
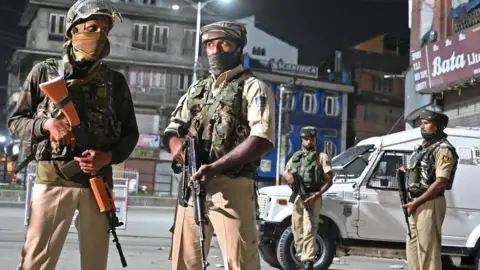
{"x":145,"y":243}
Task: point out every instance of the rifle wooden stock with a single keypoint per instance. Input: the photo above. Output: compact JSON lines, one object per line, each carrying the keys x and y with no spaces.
{"x":56,"y":90}
{"x":102,"y":194}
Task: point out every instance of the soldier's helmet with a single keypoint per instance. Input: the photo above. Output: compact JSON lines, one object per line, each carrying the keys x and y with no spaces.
{"x":225,"y":29}
{"x":308,"y":131}
{"x":440,"y":119}
{"x":83,"y":9}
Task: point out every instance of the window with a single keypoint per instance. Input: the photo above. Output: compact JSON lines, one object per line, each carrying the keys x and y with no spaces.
{"x":426,"y":22}
{"x":148,"y":2}
{"x":329,"y":148}
{"x":150,"y":37}
{"x":258,"y":51}
{"x":288,"y":100}
{"x":184,"y":81}
{"x":140,"y":36}
{"x":331,"y":105}
{"x":56,"y":28}
{"x":148,"y":81}
{"x":381,"y":84}
{"x":189,"y":43}
{"x":353,"y":162}
{"x":160,"y":39}
{"x":385,"y":174}
{"x":328,"y":132}
{"x":310,"y":104}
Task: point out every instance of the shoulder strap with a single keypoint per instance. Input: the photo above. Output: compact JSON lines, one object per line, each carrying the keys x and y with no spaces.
{"x":52,"y":68}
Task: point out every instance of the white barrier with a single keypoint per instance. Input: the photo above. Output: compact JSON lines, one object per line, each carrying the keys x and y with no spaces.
{"x":120,"y":195}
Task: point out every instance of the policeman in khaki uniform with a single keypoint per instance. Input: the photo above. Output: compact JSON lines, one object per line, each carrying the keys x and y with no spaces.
{"x":232,"y":114}
{"x":430,"y":171}
{"x":314,"y":169}
{"x":104,"y":104}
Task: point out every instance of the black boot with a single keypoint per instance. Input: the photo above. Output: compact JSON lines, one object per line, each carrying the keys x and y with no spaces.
{"x":308,"y":266}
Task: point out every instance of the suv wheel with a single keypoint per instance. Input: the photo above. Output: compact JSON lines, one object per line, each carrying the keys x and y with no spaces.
{"x":268,"y":253}
{"x":286,"y":253}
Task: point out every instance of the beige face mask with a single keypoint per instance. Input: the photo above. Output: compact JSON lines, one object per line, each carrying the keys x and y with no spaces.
{"x":90,"y":46}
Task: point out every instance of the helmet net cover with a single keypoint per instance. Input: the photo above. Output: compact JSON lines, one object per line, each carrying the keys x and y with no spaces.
{"x":83,"y":9}
{"x":308,"y":131}
{"x":229,"y":29}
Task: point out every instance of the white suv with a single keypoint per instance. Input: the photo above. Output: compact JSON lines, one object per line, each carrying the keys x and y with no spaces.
{"x":362,"y":208}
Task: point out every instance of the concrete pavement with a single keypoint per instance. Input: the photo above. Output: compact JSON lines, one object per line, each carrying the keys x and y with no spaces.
{"x":146,"y":244}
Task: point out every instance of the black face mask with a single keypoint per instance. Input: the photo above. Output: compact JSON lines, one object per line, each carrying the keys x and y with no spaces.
{"x":223,"y":61}
{"x":428,"y":135}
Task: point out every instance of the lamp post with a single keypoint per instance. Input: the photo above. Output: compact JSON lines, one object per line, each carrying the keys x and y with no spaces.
{"x":199,"y":7}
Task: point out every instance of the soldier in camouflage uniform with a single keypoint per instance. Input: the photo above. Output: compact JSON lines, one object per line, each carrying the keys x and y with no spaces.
{"x":315,"y":170}
{"x":103,"y":101}
{"x":232,"y":113}
{"x":430,"y":171}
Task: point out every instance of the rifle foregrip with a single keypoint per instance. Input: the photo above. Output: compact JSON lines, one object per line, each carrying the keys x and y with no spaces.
{"x":101,"y":191}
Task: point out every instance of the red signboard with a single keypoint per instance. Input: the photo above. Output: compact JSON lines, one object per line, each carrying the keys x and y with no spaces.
{"x":149,"y":141}
{"x":449,"y":62}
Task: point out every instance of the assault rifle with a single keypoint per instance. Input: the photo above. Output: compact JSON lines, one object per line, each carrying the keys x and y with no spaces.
{"x":57,"y":92}
{"x":402,"y":189}
{"x":298,"y":188}
{"x":198,"y":192}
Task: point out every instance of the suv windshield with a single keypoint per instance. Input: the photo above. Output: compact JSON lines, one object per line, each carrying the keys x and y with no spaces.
{"x":351,"y":163}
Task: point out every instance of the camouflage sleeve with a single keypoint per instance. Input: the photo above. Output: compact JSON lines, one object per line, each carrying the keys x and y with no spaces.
{"x":288,"y":166}
{"x":21,"y":123}
{"x":325,"y":162}
{"x":179,"y":118}
{"x":444,"y":161}
{"x":126,"y":114}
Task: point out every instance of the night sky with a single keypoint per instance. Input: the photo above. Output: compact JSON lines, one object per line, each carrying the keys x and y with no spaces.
{"x":316,"y":28}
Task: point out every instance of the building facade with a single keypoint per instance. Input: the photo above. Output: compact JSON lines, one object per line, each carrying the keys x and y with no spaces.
{"x":376,"y":107}
{"x":444,"y":71}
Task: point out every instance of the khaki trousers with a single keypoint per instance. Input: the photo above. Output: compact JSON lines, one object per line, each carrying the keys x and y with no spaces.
{"x":231,"y":214}
{"x":423,"y":250}
{"x":304,"y":227}
{"x":52,"y":210}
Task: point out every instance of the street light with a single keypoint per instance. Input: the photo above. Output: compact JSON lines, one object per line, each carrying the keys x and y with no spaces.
{"x":200,"y":6}
{"x":3,"y":139}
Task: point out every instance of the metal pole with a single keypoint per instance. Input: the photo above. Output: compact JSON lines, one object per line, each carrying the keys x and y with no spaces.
{"x":197,"y":41}
{"x":279,"y":139}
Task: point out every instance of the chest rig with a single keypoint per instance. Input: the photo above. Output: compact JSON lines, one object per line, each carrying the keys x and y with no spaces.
{"x":421,"y":168}
{"x":307,"y":167}
{"x":220,"y":122}
{"x":95,"y":106}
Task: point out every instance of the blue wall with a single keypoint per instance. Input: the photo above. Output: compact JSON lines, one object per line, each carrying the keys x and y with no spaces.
{"x":299,"y":118}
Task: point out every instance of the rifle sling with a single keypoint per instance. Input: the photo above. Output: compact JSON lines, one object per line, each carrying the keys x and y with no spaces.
{"x":64,"y":101}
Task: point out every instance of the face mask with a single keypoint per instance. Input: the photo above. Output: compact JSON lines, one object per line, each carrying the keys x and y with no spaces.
{"x":221,"y":62}
{"x":90,"y":46}
{"x":427,"y":135}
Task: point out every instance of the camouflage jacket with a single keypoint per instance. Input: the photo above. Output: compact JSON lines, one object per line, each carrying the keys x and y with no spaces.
{"x":92,"y":102}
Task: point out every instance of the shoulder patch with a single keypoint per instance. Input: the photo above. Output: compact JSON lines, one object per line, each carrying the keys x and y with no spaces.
{"x":445,"y":159}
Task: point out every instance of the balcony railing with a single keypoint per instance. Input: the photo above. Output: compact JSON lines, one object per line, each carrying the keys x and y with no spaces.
{"x":466,"y":16}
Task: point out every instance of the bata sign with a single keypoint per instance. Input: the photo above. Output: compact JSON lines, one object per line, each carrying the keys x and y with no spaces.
{"x":448,"y":62}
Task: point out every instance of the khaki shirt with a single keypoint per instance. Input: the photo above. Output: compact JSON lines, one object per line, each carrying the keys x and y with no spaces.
{"x":444,"y":161}
{"x":261,"y":116}
{"x":323,"y":161}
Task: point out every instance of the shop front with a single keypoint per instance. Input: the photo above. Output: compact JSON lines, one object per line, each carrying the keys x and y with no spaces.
{"x":448,"y":71}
